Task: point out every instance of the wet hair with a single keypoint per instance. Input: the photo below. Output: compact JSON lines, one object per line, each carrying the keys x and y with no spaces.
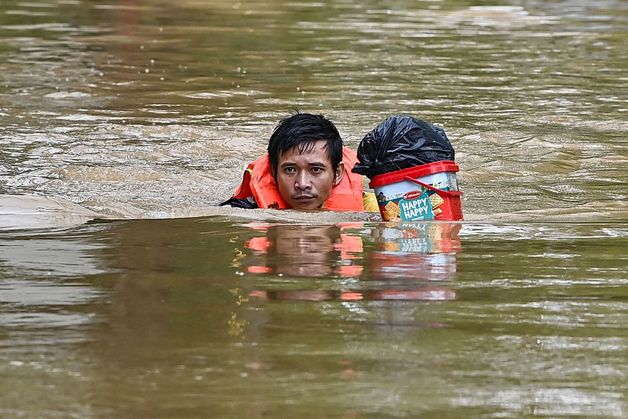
{"x":302,"y":130}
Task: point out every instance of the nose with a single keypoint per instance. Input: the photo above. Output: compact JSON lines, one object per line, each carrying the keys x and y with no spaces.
{"x":302,"y":181}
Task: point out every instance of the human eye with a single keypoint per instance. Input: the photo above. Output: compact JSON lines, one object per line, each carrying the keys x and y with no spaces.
{"x":317,"y":170}
{"x":289,"y":170}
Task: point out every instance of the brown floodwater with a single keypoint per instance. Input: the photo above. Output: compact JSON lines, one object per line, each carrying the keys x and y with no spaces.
{"x":126,"y":292}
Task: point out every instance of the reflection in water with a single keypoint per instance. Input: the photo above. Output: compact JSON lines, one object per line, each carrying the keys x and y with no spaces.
{"x":429,"y":238}
{"x":404,"y":254}
{"x":425,"y":251}
{"x":310,"y":251}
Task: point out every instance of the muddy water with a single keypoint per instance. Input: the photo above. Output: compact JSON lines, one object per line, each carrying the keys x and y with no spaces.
{"x":151,"y":109}
{"x":119,"y":120}
{"x":208,"y":318}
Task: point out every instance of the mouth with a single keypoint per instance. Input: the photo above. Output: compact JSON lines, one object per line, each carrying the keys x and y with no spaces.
{"x":304,"y":198}
{"x":304,"y":201}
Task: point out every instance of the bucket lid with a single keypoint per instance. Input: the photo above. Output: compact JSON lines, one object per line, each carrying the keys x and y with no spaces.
{"x":414,"y":172}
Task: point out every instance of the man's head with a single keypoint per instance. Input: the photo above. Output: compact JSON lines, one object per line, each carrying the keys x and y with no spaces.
{"x":305,"y":153}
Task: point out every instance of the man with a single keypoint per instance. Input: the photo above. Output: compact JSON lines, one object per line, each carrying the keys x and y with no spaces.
{"x":306,"y":168}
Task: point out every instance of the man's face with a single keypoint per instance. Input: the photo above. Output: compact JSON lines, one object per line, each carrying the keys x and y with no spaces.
{"x":305,"y":180}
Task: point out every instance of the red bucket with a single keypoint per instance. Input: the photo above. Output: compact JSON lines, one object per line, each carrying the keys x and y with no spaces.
{"x":426,"y":192}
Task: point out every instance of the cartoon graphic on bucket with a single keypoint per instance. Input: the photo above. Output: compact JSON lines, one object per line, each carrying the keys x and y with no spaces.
{"x":425,"y":192}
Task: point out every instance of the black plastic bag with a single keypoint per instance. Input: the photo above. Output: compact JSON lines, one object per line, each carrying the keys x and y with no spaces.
{"x":400,"y":142}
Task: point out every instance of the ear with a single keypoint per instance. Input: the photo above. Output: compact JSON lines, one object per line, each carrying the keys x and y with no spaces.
{"x":340,"y":171}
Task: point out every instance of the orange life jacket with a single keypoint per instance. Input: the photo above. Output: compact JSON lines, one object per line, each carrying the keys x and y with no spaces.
{"x":259,"y":183}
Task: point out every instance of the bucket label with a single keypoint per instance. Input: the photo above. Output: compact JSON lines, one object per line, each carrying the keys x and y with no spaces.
{"x":415,"y":206}
{"x":408,"y":201}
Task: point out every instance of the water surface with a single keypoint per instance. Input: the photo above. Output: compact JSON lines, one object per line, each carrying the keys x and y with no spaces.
{"x":205,"y":317}
{"x":125,"y":291}
{"x":152,"y":109}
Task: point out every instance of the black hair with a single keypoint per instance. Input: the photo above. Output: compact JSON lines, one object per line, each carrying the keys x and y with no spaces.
{"x":302,"y":130}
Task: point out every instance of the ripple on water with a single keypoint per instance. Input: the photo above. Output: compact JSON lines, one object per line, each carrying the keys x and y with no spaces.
{"x":44,"y":305}
{"x":68,"y":95}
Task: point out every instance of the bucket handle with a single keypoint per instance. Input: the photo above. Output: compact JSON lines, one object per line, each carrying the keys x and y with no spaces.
{"x":430,"y":187}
